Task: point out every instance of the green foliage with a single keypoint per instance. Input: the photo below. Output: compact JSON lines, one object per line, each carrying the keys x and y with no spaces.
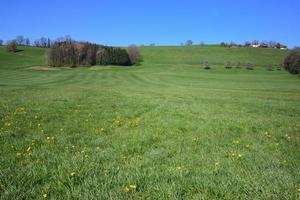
{"x":70,"y":53}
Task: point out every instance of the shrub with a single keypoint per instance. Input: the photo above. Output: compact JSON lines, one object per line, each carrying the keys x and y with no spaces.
{"x":134,"y":54}
{"x":249,"y":66}
{"x":228,"y":65}
{"x":238,"y":65}
{"x":206,"y":65}
{"x":292,"y":61}
{"x":270,"y":68}
{"x":11,"y":46}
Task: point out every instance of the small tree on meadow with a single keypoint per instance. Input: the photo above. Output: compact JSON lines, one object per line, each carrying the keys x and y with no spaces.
{"x":11,"y":46}
{"x":238,"y":65}
{"x":134,"y":54}
{"x":206,"y":65}
{"x":228,"y":65}
{"x":1,"y":42}
{"x":189,"y":43}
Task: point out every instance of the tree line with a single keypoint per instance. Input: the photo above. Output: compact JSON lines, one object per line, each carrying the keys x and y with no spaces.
{"x":72,"y":53}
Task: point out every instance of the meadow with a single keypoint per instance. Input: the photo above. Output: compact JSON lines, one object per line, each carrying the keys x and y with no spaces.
{"x":166,"y":129}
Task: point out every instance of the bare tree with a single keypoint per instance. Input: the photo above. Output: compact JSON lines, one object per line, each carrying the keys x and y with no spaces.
{"x":11,"y":46}
{"x":1,"y":42}
{"x":27,"y":42}
{"x":272,"y":44}
{"x":134,"y":54}
{"x":20,"y":40}
{"x":189,"y":43}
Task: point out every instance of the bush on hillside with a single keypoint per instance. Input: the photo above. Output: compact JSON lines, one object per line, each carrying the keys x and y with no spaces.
{"x":270,"y":68}
{"x":228,"y":65}
{"x":11,"y":46}
{"x":292,"y":61}
{"x":238,"y":65}
{"x":134,"y":54}
{"x":206,"y":65}
{"x":249,"y":66}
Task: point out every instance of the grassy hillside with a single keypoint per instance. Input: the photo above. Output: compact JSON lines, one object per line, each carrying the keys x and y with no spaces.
{"x":167,"y":129}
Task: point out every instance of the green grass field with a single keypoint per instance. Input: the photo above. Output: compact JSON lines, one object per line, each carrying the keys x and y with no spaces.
{"x":167,"y":129}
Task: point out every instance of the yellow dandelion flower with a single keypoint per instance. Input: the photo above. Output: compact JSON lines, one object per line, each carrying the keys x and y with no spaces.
{"x":298,"y":189}
{"x":72,"y":174}
{"x":126,"y":189}
{"x":179,"y":168}
{"x":247,"y":146}
{"x":132,"y":186}
{"x":48,"y":138}
{"x":61,"y":129}
{"x":45,"y":195}
{"x":102,"y":129}
{"x":86,"y":156}
{"x":217,"y":164}
{"x":39,"y":125}
{"x":18,"y":154}
{"x":35,"y":117}
{"x":240,"y":155}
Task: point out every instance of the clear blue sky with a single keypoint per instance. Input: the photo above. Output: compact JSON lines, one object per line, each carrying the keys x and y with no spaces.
{"x":164,"y":22}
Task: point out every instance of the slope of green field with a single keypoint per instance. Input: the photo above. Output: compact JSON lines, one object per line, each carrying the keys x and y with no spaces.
{"x":167,"y":129}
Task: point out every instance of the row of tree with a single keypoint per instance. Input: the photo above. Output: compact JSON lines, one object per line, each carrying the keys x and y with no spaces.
{"x":255,"y":43}
{"x":72,"y":53}
{"x":42,"y":42}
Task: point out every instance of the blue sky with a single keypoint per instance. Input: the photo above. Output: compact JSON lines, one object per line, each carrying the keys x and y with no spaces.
{"x":163,"y":22}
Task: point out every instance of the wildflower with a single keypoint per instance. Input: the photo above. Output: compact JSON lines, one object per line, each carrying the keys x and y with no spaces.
{"x":7,"y":124}
{"x":126,"y":189}
{"x":29,"y":149}
{"x":239,"y":155}
{"x":39,"y":125}
{"x":132,"y":186}
{"x":45,"y":195}
{"x":61,"y":129}
{"x":102,"y":129}
{"x":72,"y":174}
{"x":298,"y":189}
{"x":18,"y":154}
{"x":35,"y":117}
{"x":179,"y":168}
{"x":98,"y":148}
{"x":86,"y":156}
{"x":247,"y":146}
{"x":217,"y":164}
{"x":48,"y":138}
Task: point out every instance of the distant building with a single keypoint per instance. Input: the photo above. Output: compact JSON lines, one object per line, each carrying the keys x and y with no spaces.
{"x":280,"y":46}
{"x":255,"y":45}
{"x":263,"y":45}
